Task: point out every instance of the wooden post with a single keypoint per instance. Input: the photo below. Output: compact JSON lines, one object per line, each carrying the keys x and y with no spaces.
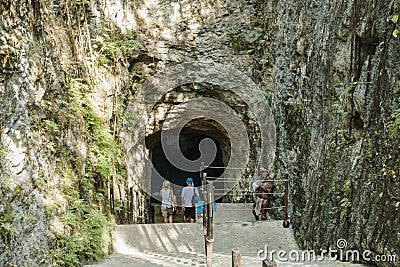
{"x":121,"y":192}
{"x":204,"y":183}
{"x":210,"y":225}
{"x":112,"y":196}
{"x":267,"y":263}
{"x":201,"y":174}
{"x":285,"y":200}
{"x":131,"y":208}
{"x":236,"y":258}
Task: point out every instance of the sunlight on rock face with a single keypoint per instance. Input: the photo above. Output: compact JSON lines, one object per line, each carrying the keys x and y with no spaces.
{"x":151,"y":3}
{"x":115,"y":10}
{"x":161,"y":113}
{"x":144,"y":14}
{"x":176,"y":15}
{"x":14,"y":142}
{"x":17,"y":152}
{"x":194,"y":27}
{"x":167,"y":34}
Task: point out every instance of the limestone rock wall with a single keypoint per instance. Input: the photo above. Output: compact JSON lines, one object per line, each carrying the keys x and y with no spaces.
{"x":58,"y":124}
{"x":22,"y":209}
{"x":336,"y":74}
{"x":330,"y":71}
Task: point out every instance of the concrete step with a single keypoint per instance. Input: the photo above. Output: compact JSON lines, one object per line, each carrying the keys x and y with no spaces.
{"x":165,"y":238}
{"x":181,"y":244}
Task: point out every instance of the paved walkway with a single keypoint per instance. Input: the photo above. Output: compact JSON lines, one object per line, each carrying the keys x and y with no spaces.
{"x":181,"y":244}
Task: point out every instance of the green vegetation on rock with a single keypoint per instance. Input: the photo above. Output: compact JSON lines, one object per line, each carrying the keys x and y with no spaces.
{"x":88,"y":236}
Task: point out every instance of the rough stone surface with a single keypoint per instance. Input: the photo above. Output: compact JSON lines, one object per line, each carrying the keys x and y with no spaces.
{"x":231,"y":99}
{"x":332,"y":78}
{"x":36,"y":50}
{"x":329,"y":69}
{"x":335,"y":71}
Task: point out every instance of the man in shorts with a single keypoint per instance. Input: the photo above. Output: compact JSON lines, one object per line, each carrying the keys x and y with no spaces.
{"x":262,"y":189}
{"x":188,"y":207}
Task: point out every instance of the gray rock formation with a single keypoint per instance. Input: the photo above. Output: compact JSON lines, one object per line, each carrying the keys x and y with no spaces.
{"x":328,"y":69}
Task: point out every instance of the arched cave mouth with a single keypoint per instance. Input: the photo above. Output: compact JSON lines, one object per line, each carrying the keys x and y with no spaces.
{"x":189,"y":139}
{"x":189,"y":145}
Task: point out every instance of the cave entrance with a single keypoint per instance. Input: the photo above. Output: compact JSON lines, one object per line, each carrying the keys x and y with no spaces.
{"x":189,"y":145}
{"x":189,"y":142}
{"x":204,"y":91}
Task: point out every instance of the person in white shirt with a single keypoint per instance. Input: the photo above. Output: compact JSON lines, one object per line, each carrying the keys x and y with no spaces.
{"x":188,"y":207}
{"x":168,"y":201}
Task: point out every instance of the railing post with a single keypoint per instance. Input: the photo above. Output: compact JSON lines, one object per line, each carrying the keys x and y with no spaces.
{"x":267,"y":263}
{"x":208,"y":198}
{"x":131,"y":208}
{"x":236,"y":258}
{"x":285,"y":210}
{"x":204,"y":186}
{"x":112,"y":195}
{"x":201,"y":174}
{"x":203,"y":180}
{"x":210,"y":224}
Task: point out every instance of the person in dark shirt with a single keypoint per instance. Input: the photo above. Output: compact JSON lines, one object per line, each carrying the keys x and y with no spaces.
{"x":262,"y":190}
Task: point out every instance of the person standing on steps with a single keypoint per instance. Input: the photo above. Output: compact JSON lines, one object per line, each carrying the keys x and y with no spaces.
{"x":189,"y":193}
{"x":263,"y":188}
{"x":168,"y":202}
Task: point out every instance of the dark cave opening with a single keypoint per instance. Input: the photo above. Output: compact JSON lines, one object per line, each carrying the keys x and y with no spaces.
{"x":189,"y":145}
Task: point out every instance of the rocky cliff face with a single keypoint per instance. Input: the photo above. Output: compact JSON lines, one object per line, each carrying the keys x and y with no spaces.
{"x":331,"y":74}
{"x":330,"y":71}
{"x":336,"y":78}
{"x":59,"y":93}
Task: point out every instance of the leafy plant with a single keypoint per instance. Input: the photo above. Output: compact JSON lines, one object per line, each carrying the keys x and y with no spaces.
{"x":396,"y":120}
{"x":52,"y":126}
{"x":393,"y":126}
{"x":395,"y":19}
{"x":88,"y":237}
{"x":104,"y":153}
{"x":253,"y":41}
{"x":86,"y":229}
{"x":340,"y":104}
{"x":6,"y":227}
{"x":114,"y":46}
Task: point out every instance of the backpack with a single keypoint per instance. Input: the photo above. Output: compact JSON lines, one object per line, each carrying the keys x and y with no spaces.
{"x":195,"y":197}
